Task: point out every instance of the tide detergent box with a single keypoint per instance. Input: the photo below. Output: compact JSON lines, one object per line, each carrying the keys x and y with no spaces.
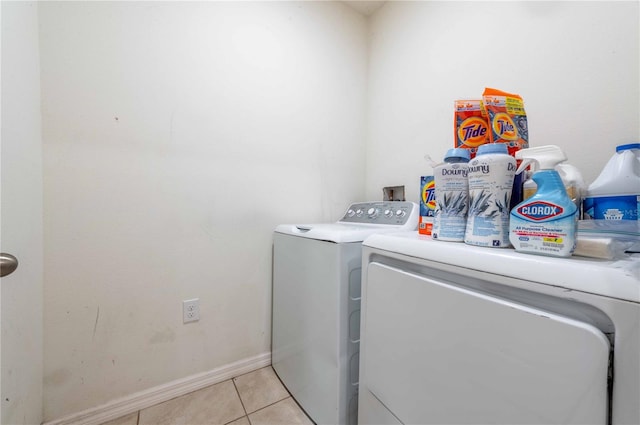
{"x":427,"y":204}
{"x":507,"y":119}
{"x":470,"y":125}
{"x":508,"y":124}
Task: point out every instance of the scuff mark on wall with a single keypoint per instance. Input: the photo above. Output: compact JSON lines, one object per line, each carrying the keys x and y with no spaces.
{"x":168,"y":335}
{"x":58,"y":377}
{"x":95,"y":325}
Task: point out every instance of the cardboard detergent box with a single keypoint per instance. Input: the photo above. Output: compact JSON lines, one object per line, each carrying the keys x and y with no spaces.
{"x":427,"y":204}
{"x":470,"y":125}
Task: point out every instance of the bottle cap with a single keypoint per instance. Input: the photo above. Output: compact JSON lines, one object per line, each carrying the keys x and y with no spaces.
{"x":626,"y":147}
{"x":457,"y":153}
{"x":492,"y":148}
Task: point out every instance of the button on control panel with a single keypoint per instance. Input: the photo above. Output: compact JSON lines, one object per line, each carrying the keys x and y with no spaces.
{"x":387,"y":212}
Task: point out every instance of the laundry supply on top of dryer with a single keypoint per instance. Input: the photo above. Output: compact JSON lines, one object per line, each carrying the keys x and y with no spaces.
{"x":574,"y":183}
{"x":452,"y":196}
{"x":427,"y":199}
{"x":470,"y":126}
{"x":607,"y":239}
{"x":570,"y":175}
{"x":491,"y":175}
{"x":602,"y":247}
{"x":546,"y":223}
{"x":507,"y":119}
{"x":427,"y":204}
{"x":615,"y":194}
{"x":508,"y":125}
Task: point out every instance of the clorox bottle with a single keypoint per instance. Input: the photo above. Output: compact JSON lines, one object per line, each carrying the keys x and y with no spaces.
{"x":546,"y":223}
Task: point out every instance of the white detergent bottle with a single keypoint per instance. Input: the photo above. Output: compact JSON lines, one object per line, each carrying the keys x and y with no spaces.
{"x":546,"y":223}
{"x":570,"y":175}
{"x":573,"y":182}
{"x":491,"y":175}
{"x":452,"y":196}
{"x":615,"y":194}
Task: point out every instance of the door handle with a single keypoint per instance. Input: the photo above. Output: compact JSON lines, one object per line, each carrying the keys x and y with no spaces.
{"x":8,"y":264}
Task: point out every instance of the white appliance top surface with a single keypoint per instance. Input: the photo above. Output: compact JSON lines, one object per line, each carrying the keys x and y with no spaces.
{"x":360,"y":221}
{"x":336,"y":232}
{"x":616,"y":279}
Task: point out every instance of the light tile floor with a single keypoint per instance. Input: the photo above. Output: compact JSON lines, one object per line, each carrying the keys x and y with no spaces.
{"x":256,"y":398}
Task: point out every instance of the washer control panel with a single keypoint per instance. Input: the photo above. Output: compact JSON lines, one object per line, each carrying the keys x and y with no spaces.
{"x":395,"y":213}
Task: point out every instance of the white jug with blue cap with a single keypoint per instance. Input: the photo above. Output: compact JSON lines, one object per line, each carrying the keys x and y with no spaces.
{"x":615,"y":194}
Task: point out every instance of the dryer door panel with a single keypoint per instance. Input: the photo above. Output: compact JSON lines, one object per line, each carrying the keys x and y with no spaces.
{"x":440,"y":354}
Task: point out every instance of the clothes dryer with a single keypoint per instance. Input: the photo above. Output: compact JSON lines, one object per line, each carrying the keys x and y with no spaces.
{"x":457,"y":334}
{"x":316,"y":306}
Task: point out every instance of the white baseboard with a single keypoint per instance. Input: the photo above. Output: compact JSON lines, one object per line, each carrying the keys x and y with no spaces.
{"x":143,"y":399}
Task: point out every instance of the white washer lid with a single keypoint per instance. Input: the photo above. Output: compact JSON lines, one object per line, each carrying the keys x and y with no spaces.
{"x":335,"y":232}
{"x":616,"y":279}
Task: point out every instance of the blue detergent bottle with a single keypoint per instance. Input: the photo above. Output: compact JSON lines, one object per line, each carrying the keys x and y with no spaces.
{"x":546,"y":223}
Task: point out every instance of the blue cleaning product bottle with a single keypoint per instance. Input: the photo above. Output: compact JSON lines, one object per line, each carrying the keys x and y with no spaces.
{"x":546,"y":223}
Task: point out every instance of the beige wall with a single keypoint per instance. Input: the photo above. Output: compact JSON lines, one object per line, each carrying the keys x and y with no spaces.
{"x":576,"y":64}
{"x":177,"y":135}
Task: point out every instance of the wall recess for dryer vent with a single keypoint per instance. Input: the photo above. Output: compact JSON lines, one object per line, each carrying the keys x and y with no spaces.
{"x":393,"y":193}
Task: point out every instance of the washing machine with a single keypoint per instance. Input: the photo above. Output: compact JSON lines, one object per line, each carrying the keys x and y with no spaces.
{"x":316,"y":306}
{"x":457,"y":334}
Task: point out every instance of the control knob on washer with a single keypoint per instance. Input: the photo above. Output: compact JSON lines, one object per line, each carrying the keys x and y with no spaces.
{"x":388,"y":213}
{"x":400,"y":213}
{"x":372,"y":212}
{"x":359,"y":212}
{"x":351,"y":213}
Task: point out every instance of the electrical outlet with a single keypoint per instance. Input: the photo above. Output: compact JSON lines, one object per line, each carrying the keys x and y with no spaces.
{"x":191,"y":310}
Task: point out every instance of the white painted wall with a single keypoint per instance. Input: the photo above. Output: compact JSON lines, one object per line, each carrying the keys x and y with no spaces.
{"x":574,"y":63}
{"x":21,"y":217}
{"x":177,"y":135}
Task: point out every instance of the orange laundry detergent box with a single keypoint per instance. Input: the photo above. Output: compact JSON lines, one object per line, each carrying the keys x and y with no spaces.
{"x":507,"y":119}
{"x":427,"y":204}
{"x":470,"y":125}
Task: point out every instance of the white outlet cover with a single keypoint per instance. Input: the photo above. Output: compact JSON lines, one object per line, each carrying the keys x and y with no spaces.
{"x":191,"y":310}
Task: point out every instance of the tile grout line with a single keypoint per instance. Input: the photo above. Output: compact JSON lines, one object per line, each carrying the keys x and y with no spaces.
{"x":269,"y":405}
{"x":292,"y":398}
{"x":241,"y":402}
{"x":264,"y":407}
{"x":246,"y":414}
